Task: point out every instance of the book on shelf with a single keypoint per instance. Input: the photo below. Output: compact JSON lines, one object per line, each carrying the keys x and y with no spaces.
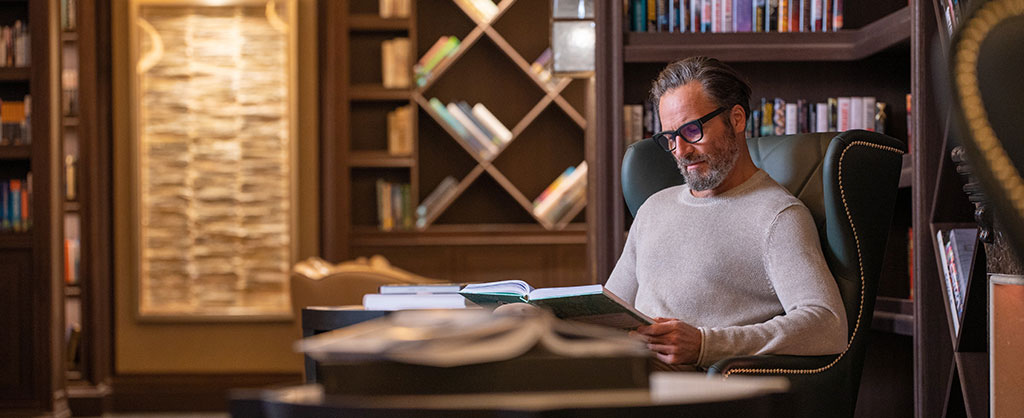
{"x":541,"y":67}
{"x":394,"y":8}
{"x":395,"y":63}
{"x":16,"y":45}
{"x":72,"y":260}
{"x":779,"y":117}
{"x":70,"y":177}
{"x":69,"y":94}
{"x":400,"y":131}
{"x":397,"y":302}
{"x":941,"y":239}
{"x":15,"y":117}
{"x":441,"y":51}
{"x":475,"y":134}
{"x":461,"y":134}
{"x":491,"y":122}
{"x":479,"y":10}
{"x":719,"y":16}
{"x":68,"y":15}
{"x":588,"y":303}
{"x":566,"y":192}
{"x":394,"y":206}
{"x":16,"y":204}
{"x":961,"y":243}
{"x":633,"y":123}
{"x":420,"y":288}
{"x":435,"y":201}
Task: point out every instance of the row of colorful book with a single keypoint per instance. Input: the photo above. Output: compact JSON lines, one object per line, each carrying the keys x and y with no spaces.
{"x":479,"y":10}
{"x":16,"y":204}
{"x":394,"y":206}
{"x":16,"y":122}
{"x":395,"y":63}
{"x":475,"y":127}
{"x":15,"y":45}
{"x":72,"y":260}
{"x":779,"y":117}
{"x":568,"y":190}
{"x":443,"y":50}
{"x":837,"y":114}
{"x":399,"y":123}
{"x":956,"y":252}
{"x":721,"y":16}
{"x":394,"y":8}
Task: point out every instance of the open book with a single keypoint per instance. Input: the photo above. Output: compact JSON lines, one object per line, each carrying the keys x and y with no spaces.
{"x":588,"y":303}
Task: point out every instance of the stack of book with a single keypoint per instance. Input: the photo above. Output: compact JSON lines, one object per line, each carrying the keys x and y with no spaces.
{"x":400,"y":131}
{"x":561,"y":195}
{"x":480,"y":10}
{"x":394,"y":206}
{"x":16,"y":204}
{"x":395,"y":63}
{"x":16,"y":119}
{"x":719,"y":16}
{"x":476,"y":127}
{"x":956,"y":254}
{"x":395,"y":8}
{"x":435,"y":201}
{"x":415,"y":296}
{"x":15,"y":45}
{"x":440,"y":52}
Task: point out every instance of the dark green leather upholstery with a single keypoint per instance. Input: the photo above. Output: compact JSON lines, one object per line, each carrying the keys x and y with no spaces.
{"x":849,"y":182}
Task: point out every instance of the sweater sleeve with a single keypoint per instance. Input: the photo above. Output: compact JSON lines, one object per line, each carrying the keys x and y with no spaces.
{"x":814,"y":322}
{"x":622,"y":282}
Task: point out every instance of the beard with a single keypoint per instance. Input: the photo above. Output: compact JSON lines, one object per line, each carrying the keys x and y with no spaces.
{"x":720,"y":162}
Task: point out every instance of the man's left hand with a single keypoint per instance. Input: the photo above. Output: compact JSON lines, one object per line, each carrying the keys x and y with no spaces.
{"x":673,"y":341}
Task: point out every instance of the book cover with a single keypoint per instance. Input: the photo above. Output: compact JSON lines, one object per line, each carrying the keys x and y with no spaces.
{"x":779,"y":117}
{"x":940,"y":243}
{"x":589,"y":303}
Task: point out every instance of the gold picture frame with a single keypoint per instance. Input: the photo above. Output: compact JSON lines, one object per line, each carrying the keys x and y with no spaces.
{"x":214,"y":158}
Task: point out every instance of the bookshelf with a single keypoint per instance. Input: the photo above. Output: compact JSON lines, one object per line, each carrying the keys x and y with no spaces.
{"x":30,"y":261}
{"x":485,"y":230}
{"x":870,"y":56}
{"x":85,"y":189}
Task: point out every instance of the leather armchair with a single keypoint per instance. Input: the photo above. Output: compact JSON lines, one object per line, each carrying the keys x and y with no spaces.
{"x":849,"y":182}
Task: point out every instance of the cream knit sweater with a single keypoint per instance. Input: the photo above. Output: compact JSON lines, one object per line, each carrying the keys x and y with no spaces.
{"x":744,"y":267}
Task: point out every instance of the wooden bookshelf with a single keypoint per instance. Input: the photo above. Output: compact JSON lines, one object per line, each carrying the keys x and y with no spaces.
{"x":491,"y":213}
{"x":30,"y":262}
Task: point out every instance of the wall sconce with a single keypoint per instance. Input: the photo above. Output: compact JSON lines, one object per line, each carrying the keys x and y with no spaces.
{"x":572,"y":37}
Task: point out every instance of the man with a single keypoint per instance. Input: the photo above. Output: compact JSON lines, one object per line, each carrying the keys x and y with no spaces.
{"x":728,"y":263}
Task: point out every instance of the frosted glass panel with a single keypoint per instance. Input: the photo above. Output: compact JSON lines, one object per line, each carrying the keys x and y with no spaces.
{"x":214,"y":130}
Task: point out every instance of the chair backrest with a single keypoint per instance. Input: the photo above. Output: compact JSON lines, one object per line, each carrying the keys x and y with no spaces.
{"x":848,"y":182}
{"x":315,"y":282}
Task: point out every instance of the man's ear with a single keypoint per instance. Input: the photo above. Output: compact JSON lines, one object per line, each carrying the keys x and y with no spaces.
{"x":738,"y":119}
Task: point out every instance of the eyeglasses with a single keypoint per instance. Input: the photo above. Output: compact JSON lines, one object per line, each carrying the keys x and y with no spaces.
{"x":691,"y":132}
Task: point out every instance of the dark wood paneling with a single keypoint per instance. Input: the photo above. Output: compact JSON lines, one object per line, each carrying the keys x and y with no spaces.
{"x":887,"y":384}
{"x":15,"y":312}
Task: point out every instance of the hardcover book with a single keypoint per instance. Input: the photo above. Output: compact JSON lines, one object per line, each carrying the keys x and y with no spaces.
{"x":588,"y":303}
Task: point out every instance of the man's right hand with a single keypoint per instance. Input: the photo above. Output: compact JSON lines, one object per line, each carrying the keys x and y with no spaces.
{"x":673,"y":341}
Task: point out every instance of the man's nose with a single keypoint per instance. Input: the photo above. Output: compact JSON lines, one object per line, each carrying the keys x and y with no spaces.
{"x":683,"y":148}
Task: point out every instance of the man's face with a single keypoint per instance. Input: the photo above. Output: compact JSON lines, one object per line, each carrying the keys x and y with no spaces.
{"x":707,"y":163}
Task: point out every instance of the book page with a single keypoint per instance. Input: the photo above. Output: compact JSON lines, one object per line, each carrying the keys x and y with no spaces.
{"x":514,"y":287}
{"x":558,"y":292}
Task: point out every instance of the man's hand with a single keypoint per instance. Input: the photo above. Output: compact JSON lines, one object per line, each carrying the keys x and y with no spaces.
{"x":673,"y":341}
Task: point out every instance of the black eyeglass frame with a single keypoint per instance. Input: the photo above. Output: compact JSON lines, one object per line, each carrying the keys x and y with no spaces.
{"x":667,"y":139}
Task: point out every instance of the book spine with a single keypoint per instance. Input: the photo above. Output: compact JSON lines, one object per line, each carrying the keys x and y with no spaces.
{"x":5,"y":206}
{"x":727,"y":16}
{"x":844,"y":114}
{"x":767,"y":128}
{"x":696,"y":7}
{"x":553,"y":186}
{"x":791,"y":119}
{"x":779,"y":120}
{"x":869,"y":113}
{"x":783,"y":16}
{"x":492,"y":122}
{"x":673,"y":15}
{"x":442,"y":112}
{"x":705,"y":16}
{"x":771,"y":15}
{"x":432,"y":198}
{"x":16,"y":205}
{"x":638,"y":12}
{"x":815,"y":16}
{"x":833,"y":114}
{"x":758,"y":15}
{"x":577,"y":174}
{"x":803,"y":117}
{"x":837,"y":15}
{"x":856,"y":113}
{"x":743,"y":10}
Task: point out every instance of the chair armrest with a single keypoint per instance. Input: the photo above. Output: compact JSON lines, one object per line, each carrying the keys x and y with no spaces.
{"x":771,"y":364}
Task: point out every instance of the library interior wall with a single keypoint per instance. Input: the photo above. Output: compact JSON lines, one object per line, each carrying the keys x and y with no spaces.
{"x":213,"y":347}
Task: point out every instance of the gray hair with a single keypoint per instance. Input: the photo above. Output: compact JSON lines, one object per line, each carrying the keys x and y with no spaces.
{"x":724,"y":86}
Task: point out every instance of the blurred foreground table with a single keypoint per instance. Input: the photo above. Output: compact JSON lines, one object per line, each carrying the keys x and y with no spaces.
{"x":670,"y":395}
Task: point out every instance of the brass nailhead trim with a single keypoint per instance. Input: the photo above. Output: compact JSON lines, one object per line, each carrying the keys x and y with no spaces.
{"x":860,"y":264}
{"x":966,"y":61}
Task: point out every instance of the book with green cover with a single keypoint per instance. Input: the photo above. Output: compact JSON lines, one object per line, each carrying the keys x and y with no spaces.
{"x":588,"y":303}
